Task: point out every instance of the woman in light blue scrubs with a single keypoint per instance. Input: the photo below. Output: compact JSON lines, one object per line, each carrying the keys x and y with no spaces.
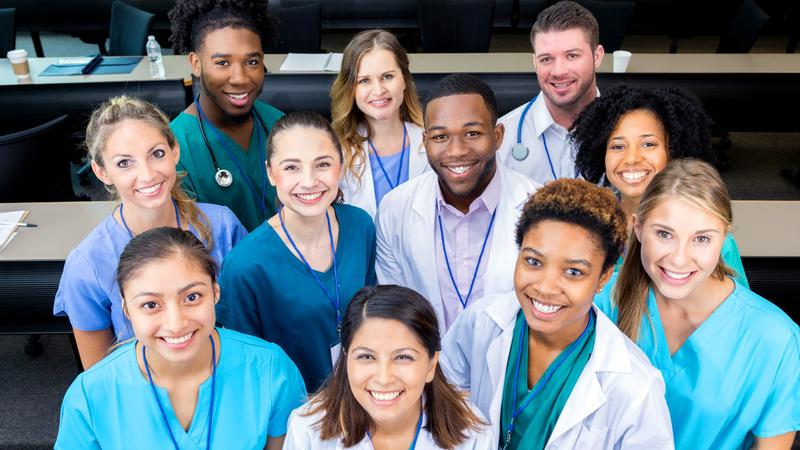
{"x":181,"y":383}
{"x":626,"y":136}
{"x":730,"y":359}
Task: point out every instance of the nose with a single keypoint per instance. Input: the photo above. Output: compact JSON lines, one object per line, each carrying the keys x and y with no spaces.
{"x":559,"y":67}
{"x":308,"y":178}
{"x":547,"y":284}
{"x":237,"y":74}
{"x":385,"y":373}
{"x":680,"y":255}
{"x":174,"y":319}
{"x":146,"y":171}
{"x":633,"y":155}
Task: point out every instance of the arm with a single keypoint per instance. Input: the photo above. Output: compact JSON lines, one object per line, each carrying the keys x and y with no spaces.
{"x":237,"y":308}
{"x":782,"y":442}
{"x":387,"y":268}
{"x":645,"y":422}
{"x":371,"y":277}
{"x":75,"y":425}
{"x":93,"y":345}
{"x":275,"y":443}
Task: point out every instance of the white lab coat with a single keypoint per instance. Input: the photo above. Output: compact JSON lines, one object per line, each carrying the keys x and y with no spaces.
{"x":405,"y":230}
{"x":363,"y":194}
{"x":302,"y":434}
{"x":617,"y":403}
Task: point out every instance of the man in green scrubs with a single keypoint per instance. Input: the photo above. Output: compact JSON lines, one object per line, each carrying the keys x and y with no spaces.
{"x":223,"y":133}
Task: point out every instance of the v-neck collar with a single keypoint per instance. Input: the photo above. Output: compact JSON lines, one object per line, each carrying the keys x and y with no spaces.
{"x":297,"y":263}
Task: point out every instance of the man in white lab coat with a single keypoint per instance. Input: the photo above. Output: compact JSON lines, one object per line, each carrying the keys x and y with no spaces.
{"x":447,"y":233}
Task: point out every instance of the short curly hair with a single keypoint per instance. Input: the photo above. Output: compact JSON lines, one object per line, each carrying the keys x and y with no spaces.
{"x":192,"y":20}
{"x":580,"y":203}
{"x":686,"y":123}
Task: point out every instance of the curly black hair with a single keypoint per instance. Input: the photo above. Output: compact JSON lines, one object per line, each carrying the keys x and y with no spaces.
{"x":686,"y":123}
{"x":192,"y":20}
{"x":458,"y":84}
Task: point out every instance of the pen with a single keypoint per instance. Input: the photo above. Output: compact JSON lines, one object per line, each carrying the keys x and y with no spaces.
{"x":92,"y":64}
{"x":19,"y":224}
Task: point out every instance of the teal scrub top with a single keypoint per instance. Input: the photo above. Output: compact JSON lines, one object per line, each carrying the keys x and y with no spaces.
{"x":268,"y":292}
{"x":111,"y":405}
{"x":200,"y":179}
{"x":737,"y":376}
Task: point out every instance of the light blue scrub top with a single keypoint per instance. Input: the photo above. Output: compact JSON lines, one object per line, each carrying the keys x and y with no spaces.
{"x":268,"y":292}
{"x":391,"y":164}
{"x":736,"y":376}
{"x":88,"y":291}
{"x":111,"y":405}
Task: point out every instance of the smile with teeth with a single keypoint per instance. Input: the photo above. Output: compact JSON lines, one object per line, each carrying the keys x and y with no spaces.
{"x":545,"y":308}
{"x":178,"y":340}
{"x":310,"y":197}
{"x":385,"y":396}
{"x":150,"y":189}
{"x":634,"y":176}
{"x":676,"y":275}
{"x":561,"y":85}
{"x":379,"y":102}
{"x":237,"y":96}
{"x":459,"y":170}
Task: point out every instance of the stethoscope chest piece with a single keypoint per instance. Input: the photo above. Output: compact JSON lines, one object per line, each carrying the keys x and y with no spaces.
{"x":519,"y":151}
{"x":224,"y":177}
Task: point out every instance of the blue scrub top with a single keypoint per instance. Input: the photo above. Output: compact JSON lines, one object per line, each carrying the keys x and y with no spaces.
{"x":268,"y":292}
{"x":737,"y":376}
{"x":391,"y":164}
{"x":88,"y":291}
{"x":111,"y":405}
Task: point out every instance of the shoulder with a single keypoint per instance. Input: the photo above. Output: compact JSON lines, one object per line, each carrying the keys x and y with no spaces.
{"x":183,"y":123}
{"x":407,"y":191}
{"x":98,"y":244}
{"x":111,"y":370}
{"x":511,"y":117}
{"x":260,"y":240}
{"x":766,"y":320}
{"x":353,"y":215}
{"x":268,"y":112}
{"x":636,"y":375}
{"x":256,"y":352}
{"x":516,"y":184}
{"x":218,"y":214}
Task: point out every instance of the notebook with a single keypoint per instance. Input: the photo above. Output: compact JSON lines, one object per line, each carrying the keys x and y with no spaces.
{"x":109,"y":66}
{"x":7,"y":232}
{"x":312,"y":62}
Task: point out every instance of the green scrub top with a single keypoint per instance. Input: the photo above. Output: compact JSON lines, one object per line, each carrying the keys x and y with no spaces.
{"x":200,"y":171}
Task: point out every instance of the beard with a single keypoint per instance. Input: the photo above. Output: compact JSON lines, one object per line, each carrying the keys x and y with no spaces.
{"x":224,"y":115}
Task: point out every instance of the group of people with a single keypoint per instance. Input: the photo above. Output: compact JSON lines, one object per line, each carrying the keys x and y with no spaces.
{"x":416,"y":274}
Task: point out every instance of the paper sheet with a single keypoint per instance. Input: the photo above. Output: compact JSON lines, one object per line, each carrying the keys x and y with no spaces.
{"x":7,"y":232}
{"x":312,"y":62}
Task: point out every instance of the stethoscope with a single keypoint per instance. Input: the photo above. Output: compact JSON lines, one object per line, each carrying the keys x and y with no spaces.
{"x":520,"y":151}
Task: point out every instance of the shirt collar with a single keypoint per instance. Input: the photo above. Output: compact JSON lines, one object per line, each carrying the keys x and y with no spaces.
{"x":489,"y":198}
{"x":542,"y":120}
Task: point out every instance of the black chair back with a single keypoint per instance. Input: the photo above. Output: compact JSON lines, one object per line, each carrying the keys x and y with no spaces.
{"x":35,"y":164}
{"x":129,"y":29}
{"x":299,"y":29}
{"x":8,"y":31}
{"x":456,"y":26}
{"x":613,"y":19}
{"x":743,"y":29}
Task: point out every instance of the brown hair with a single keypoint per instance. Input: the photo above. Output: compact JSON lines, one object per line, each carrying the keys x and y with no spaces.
{"x":563,"y":16}
{"x":108,"y":117}
{"x":347,"y":118}
{"x":581,"y":203}
{"x":449,"y":414}
{"x":693,"y":181}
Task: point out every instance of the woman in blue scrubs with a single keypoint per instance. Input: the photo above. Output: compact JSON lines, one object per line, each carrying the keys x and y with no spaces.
{"x":730,"y":359}
{"x":290,"y":280}
{"x":628,"y":135}
{"x":134,"y":152}
{"x":181,"y":383}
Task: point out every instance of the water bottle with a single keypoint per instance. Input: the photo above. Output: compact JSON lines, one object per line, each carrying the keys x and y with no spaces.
{"x":154,"y":55}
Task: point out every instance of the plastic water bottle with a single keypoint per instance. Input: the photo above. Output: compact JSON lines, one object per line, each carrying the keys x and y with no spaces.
{"x":154,"y":55}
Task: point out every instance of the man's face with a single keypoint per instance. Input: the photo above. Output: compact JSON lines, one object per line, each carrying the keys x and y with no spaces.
{"x":565,"y":67}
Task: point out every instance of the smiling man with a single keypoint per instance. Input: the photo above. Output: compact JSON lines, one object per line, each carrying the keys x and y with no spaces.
{"x":566,"y":53}
{"x":223,"y":133}
{"x":447,"y":233}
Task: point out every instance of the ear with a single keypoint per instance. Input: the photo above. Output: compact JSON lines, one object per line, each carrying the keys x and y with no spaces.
{"x":194,"y":61}
{"x":432,"y":368}
{"x":533,"y":59}
{"x":499,"y":132}
{"x":215,"y":289}
{"x":270,"y":176}
{"x":125,"y":310}
{"x":176,"y":150}
{"x":101,"y":174}
{"x":604,"y":278}
{"x":598,"y":56}
{"x":637,"y":227}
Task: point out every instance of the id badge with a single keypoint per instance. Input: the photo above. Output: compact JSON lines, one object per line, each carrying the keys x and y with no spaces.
{"x":336,"y":350}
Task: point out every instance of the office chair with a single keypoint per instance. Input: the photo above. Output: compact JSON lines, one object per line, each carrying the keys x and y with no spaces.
{"x":613,"y":19}
{"x":299,"y":29}
{"x":743,"y":29}
{"x":35,"y":164}
{"x":128,"y":31}
{"x":8,"y":31}
{"x":455,"y":26}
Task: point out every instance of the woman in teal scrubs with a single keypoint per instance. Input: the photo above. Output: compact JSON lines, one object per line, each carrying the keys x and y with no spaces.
{"x":291,"y":279}
{"x":626,"y":136}
{"x":181,"y":383}
{"x":730,"y":359}
{"x":546,"y":368}
{"x":223,"y":133}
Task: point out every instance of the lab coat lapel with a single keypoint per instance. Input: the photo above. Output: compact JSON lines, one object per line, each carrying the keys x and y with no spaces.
{"x":503,"y":312}
{"x":418,"y":157}
{"x":499,"y":275}
{"x":365,"y":196}
{"x":421,"y":228}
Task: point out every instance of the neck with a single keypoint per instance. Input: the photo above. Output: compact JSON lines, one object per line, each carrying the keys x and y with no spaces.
{"x":702,"y":301}
{"x":401,"y":430}
{"x":462,"y":202}
{"x":140,"y":220}
{"x":219,"y":119}
{"x":166,"y":373}
{"x":556,"y":341}
{"x":307,"y":230}
{"x":386,"y":135}
{"x":565,"y":115}
{"x":629,"y":205}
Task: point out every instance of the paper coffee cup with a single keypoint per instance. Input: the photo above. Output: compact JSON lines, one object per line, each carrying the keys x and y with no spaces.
{"x":19,"y":62}
{"x":621,"y":59}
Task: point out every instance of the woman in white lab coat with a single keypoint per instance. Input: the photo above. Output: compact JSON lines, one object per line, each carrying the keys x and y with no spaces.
{"x":378,"y":118}
{"x":545,"y":366}
{"x":387,"y":389}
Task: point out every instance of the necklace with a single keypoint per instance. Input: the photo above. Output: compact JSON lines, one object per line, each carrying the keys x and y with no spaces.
{"x":130,"y":233}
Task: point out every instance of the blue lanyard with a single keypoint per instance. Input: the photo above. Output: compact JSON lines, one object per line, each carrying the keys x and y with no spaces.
{"x":125,"y":224}
{"x":211,"y":403}
{"x":400,"y":166}
{"x":544,"y":139}
{"x":333,"y":299}
{"x":477,"y":266}
{"x":262,"y":196}
{"x":545,"y":378}
{"x":416,"y":435}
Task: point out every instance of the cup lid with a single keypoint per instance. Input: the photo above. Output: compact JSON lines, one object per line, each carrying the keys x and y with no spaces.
{"x":18,"y":53}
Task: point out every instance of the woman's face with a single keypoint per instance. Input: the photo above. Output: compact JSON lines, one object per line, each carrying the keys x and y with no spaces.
{"x":305,"y":168}
{"x":170,"y":303}
{"x":558,"y":272}
{"x":388,"y":368}
{"x":636,"y":150}
{"x":380,"y":85}
{"x":140,"y":164}
{"x":681,"y":246}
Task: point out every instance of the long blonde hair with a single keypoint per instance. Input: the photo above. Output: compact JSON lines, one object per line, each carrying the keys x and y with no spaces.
{"x":347,"y":118}
{"x":105,"y":120}
{"x":690,"y":180}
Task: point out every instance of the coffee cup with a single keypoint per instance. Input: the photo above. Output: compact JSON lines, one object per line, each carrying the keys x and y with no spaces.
{"x":621,"y":59}
{"x":19,"y":62}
